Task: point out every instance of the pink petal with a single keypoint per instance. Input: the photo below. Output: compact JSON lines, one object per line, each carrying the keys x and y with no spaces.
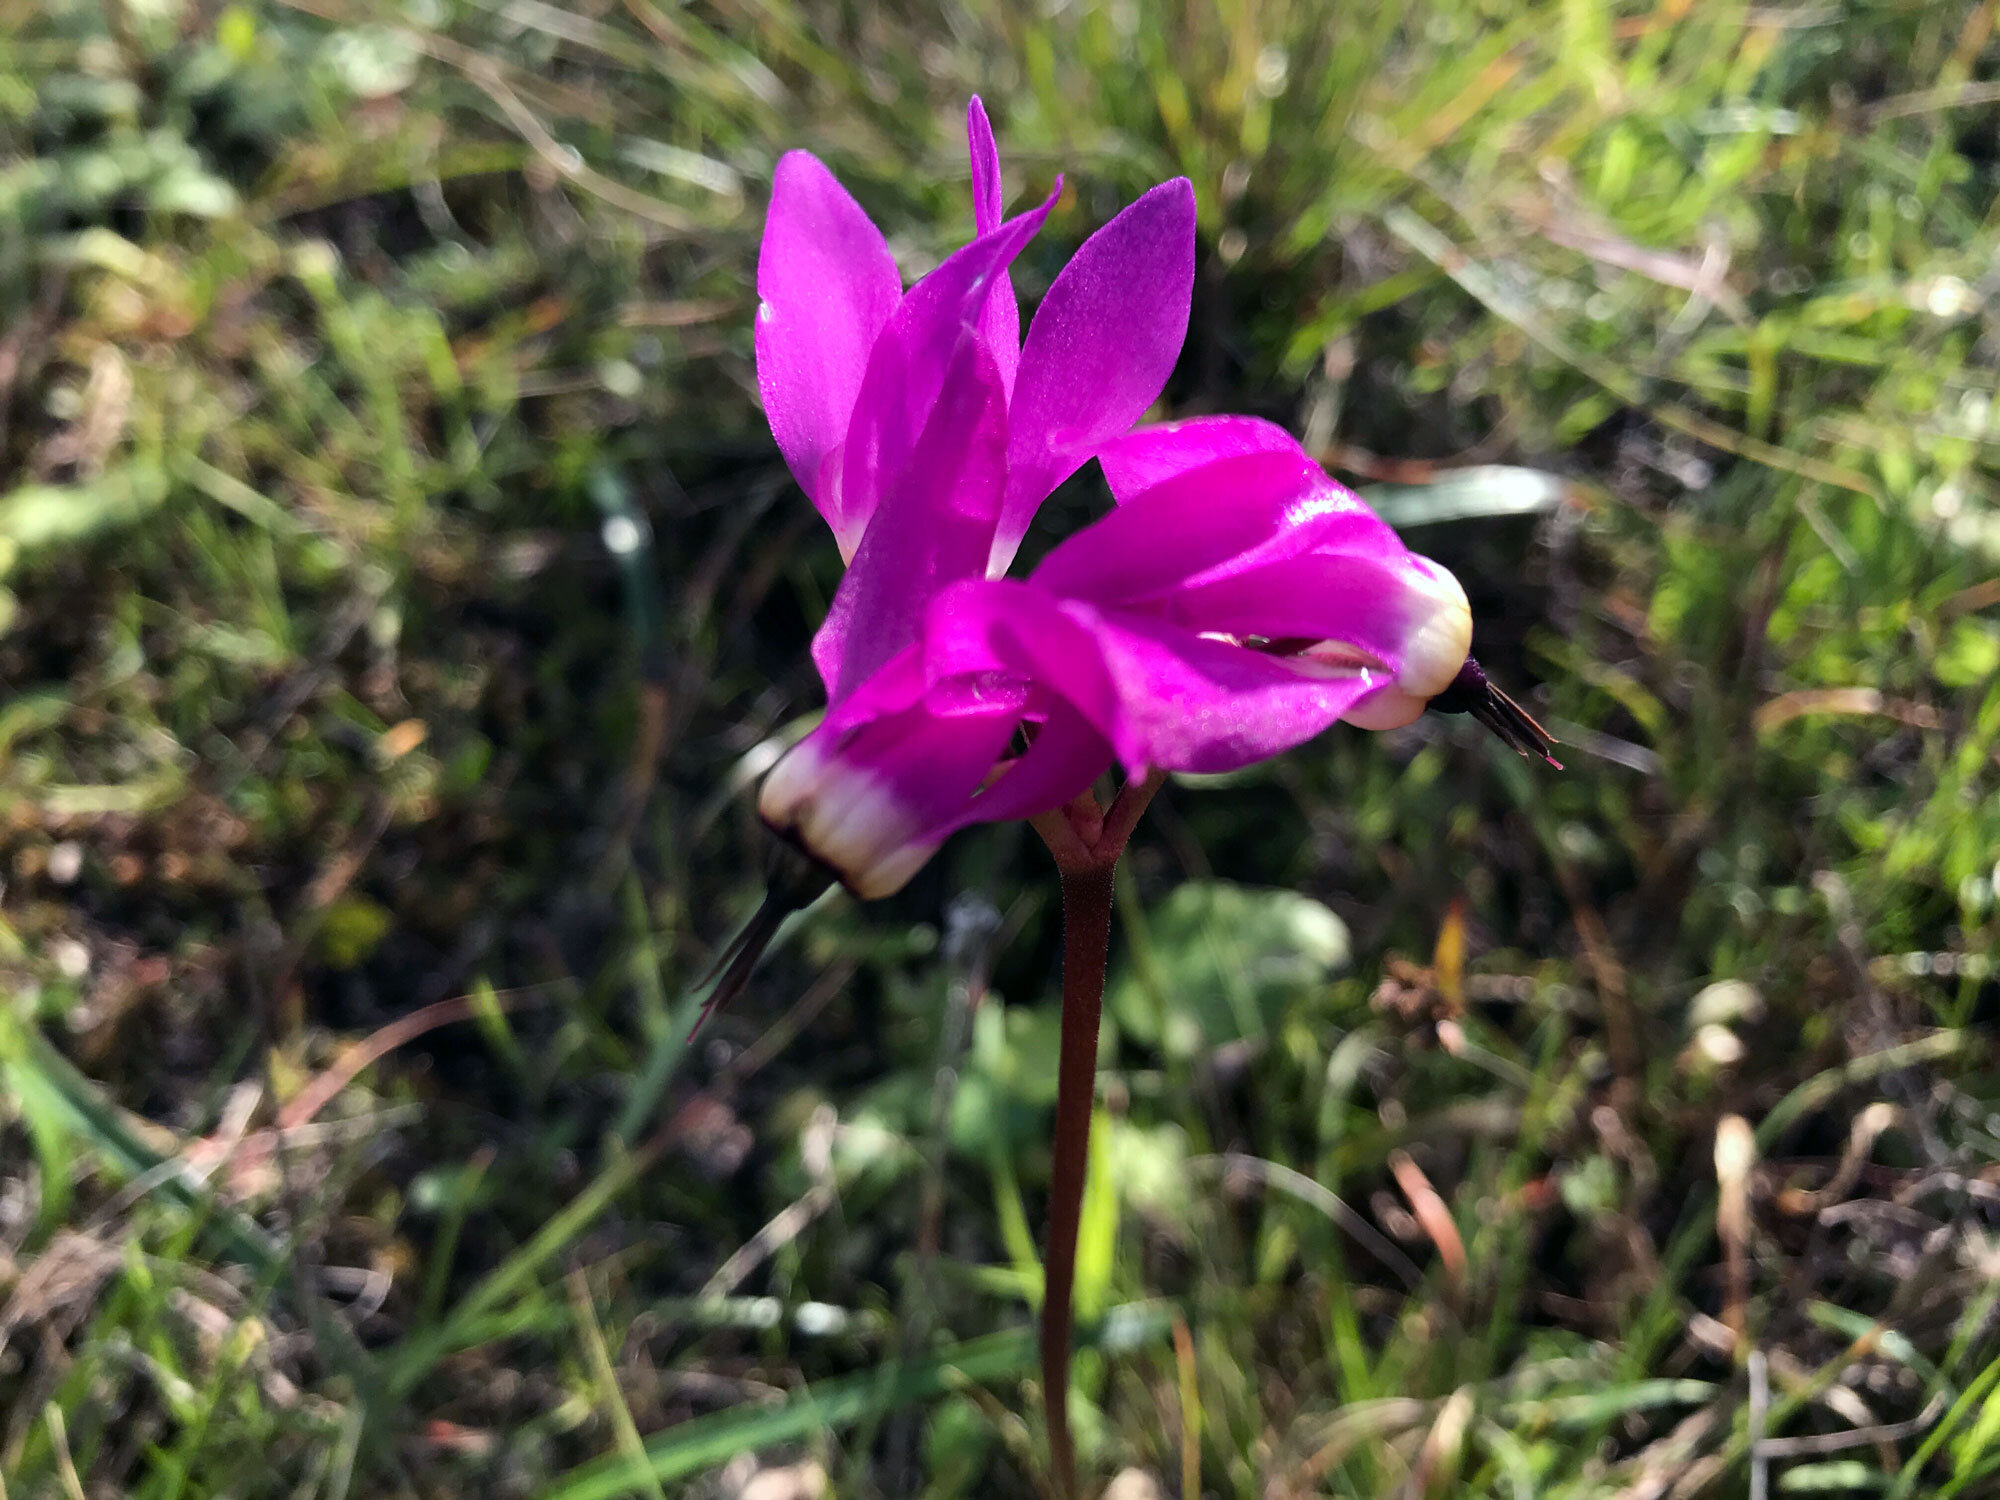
{"x":827,"y":286}
{"x":900,"y":684}
{"x":1160,"y":695}
{"x":1068,"y":754}
{"x":1152,"y":455}
{"x":907,"y":367}
{"x":1208,"y":522}
{"x":1099,"y":350}
{"x":1382,"y":606}
{"x":899,"y":766}
{"x":1006,"y":628}
{"x":873,"y":799}
{"x":934,"y":526}
{"x":1193,"y":704}
{"x":1000,"y":321}
{"x":987,"y":197}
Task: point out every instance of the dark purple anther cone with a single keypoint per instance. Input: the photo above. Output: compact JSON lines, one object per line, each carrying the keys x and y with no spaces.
{"x":1472,"y":692}
{"x":794,"y":881}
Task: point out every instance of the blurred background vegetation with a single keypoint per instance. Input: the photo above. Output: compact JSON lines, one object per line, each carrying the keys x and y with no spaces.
{"x":399,"y":593}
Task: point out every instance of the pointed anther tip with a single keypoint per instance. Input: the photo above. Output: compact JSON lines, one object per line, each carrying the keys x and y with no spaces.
{"x":1472,"y":692}
{"x":794,"y":880}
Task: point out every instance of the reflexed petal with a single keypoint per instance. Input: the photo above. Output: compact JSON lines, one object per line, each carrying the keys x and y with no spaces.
{"x":1008,"y":627}
{"x":827,"y":286}
{"x":1000,"y":321}
{"x":1192,"y":704}
{"x":1099,"y":350}
{"x":907,"y":367}
{"x":1152,"y":455}
{"x":1209,"y":522}
{"x":874,"y":801}
{"x":933,"y":527}
{"x":1236,"y":602}
{"x":900,"y":684}
{"x":1405,"y":613}
{"x":1436,"y":652}
{"x":1067,"y":756}
{"x":987,"y":196}
{"x":899,"y":766}
{"x":1160,"y":694}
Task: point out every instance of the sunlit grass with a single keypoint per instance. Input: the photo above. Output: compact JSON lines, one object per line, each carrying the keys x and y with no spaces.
{"x":331,"y":336}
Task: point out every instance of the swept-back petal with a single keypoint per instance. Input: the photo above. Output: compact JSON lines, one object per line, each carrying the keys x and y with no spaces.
{"x":934,"y":526}
{"x":900,"y":684}
{"x":1402,"y":612}
{"x":874,"y":800}
{"x":1067,"y":755}
{"x":1147,"y":456}
{"x":907,"y":367}
{"x":1009,"y":628}
{"x":827,"y":286}
{"x":1000,"y":320}
{"x":1099,"y":350}
{"x":987,"y":196}
{"x":1208,"y":522}
{"x":1160,"y":694}
{"x":900,"y":764}
{"x":1189,"y":703}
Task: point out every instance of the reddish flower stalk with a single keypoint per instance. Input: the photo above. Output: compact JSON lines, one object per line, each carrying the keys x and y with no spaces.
{"x":1086,"y":843}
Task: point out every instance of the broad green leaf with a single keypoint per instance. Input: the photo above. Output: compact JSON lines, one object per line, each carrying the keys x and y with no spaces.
{"x":1471,"y":494}
{"x":1224,"y":962}
{"x":38,"y":517}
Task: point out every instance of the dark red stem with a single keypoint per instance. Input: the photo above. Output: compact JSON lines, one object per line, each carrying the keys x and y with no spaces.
{"x":1086,"y":840}
{"x":1086,"y":894}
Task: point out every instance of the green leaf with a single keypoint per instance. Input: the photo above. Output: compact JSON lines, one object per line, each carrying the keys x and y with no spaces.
{"x":1841,"y":1474}
{"x":1594,"y":1407}
{"x":464,"y":1329}
{"x":1010,"y":1078}
{"x":1969,"y":655}
{"x":1238,"y":958}
{"x":188,"y":190}
{"x":75,"y":1106}
{"x":50,"y":1126}
{"x":372,"y":62}
{"x":37,"y":517}
{"x":1483,"y":491}
{"x":353,"y":928}
{"x":1097,"y":1226}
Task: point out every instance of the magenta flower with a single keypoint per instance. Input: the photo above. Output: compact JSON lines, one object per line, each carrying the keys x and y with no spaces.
{"x":1234,"y":604}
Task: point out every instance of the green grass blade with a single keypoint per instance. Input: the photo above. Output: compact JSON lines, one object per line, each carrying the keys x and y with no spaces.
{"x":694,"y":1446}
{"x":518,"y":1271}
